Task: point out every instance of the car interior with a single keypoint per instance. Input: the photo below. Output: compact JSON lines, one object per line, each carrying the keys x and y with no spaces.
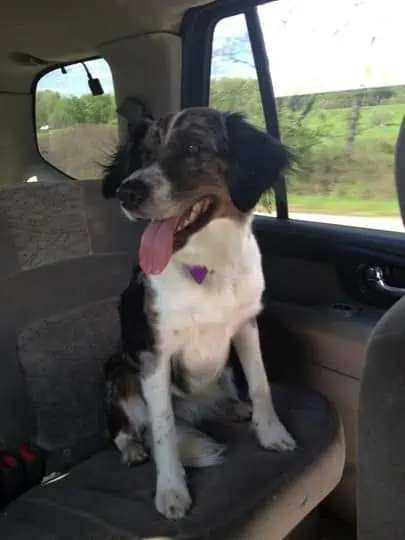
{"x":331,"y":331}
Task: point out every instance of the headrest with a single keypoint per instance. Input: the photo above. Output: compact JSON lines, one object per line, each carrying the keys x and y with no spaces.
{"x":133,"y":110}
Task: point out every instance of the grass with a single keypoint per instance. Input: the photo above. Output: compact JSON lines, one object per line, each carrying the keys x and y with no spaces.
{"x":361,"y":183}
{"x":377,"y":130}
{"x":360,"y":186}
{"x":375,"y":122}
{"x":79,"y":150}
{"x":339,"y":206}
{"x":331,"y":205}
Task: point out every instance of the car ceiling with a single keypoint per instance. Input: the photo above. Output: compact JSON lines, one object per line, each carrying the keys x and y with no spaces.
{"x":60,"y":31}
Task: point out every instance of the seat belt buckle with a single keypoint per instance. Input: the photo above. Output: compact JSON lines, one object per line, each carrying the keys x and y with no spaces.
{"x":33,"y":463}
{"x":11,"y":478}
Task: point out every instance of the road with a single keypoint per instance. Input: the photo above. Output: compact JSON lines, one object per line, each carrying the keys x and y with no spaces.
{"x":380,"y":222}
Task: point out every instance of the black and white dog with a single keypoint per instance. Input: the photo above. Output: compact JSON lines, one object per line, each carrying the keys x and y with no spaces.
{"x":196,"y":176}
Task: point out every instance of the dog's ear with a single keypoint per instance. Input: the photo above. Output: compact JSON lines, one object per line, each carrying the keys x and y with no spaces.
{"x":257,"y":161}
{"x":126,"y":159}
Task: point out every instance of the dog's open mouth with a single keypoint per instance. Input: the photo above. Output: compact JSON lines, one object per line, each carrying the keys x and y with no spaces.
{"x":196,"y":217}
{"x":162,"y":237}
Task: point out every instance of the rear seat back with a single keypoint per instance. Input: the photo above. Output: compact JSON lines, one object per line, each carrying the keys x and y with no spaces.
{"x":65,"y":256}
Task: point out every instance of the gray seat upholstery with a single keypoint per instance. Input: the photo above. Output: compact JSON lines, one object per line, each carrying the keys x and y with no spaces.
{"x":102,"y":497}
{"x":61,"y":258}
{"x":381,"y":432}
{"x":66,"y":255}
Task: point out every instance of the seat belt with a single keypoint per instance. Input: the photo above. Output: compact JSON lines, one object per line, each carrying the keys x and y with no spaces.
{"x":19,"y":472}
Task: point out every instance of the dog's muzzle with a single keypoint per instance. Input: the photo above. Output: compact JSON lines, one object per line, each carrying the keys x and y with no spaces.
{"x":132,"y":193}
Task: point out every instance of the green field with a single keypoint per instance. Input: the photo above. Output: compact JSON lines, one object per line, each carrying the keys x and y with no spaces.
{"x":332,"y":205}
{"x":327,"y":177}
{"x":377,"y":123}
{"x":361,"y":182}
{"x":360,"y":186}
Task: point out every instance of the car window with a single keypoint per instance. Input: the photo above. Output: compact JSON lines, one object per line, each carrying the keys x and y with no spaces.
{"x":75,"y":129}
{"x":340,"y":94}
{"x":234,"y":85}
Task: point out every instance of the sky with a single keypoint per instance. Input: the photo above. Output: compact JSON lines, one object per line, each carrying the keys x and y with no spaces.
{"x":312,"y":45}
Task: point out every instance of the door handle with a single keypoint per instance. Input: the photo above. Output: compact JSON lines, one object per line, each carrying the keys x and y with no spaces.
{"x":375,"y":275}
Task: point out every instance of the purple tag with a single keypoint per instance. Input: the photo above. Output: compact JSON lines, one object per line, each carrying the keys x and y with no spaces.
{"x":198,"y":273}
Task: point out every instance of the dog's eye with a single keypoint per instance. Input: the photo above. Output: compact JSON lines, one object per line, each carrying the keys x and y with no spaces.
{"x":193,"y":149}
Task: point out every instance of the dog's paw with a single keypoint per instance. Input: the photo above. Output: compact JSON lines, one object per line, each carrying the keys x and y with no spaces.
{"x":274,"y":436}
{"x":134,"y":453}
{"x":239,"y":411}
{"x":174,"y":501}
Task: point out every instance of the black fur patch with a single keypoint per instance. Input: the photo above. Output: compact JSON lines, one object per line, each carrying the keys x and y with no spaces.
{"x":136,"y":333}
{"x":257,"y":159}
{"x":206,"y":150}
{"x":127,"y":159}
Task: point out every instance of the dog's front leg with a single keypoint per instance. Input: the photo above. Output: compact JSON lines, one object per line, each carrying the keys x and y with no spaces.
{"x":172,"y":497}
{"x":270,"y":431}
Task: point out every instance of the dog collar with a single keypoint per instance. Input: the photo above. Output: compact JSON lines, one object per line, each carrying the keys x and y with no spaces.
{"x":198,"y":273}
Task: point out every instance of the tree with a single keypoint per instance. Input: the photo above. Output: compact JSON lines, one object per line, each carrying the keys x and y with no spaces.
{"x":46,"y":102}
{"x":63,"y":111}
{"x":238,"y":94}
{"x":354,"y":120}
{"x":235,"y":49}
{"x":242,"y":94}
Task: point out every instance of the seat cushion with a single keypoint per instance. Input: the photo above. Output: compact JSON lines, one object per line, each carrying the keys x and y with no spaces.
{"x":62,"y":249}
{"x":62,"y":359}
{"x":102,"y":499}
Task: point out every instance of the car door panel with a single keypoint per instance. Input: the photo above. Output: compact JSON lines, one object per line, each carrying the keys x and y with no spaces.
{"x":320,"y":311}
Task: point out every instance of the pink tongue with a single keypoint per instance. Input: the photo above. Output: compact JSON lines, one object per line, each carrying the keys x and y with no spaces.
{"x":157,"y":245}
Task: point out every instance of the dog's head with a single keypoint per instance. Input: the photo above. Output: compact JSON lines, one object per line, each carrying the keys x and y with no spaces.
{"x":192,"y":167}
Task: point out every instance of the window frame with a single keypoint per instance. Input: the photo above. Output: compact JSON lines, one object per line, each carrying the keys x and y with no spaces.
{"x":197,"y":30}
{"x":33,"y":91}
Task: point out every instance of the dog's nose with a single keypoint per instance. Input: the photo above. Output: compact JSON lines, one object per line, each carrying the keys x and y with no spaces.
{"x":132,"y":193}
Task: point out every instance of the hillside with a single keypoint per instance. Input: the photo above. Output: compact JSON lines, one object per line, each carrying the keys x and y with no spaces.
{"x":344,"y":141}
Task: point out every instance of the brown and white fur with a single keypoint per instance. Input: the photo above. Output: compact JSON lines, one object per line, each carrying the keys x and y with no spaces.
{"x":171,"y":371}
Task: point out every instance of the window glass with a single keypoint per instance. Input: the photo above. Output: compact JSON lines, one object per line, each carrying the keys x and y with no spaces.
{"x":234,"y":85}
{"x":76,"y":130}
{"x":340,"y":92}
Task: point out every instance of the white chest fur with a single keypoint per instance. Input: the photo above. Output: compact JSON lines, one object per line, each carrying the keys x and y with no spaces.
{"x":198,"y":322}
